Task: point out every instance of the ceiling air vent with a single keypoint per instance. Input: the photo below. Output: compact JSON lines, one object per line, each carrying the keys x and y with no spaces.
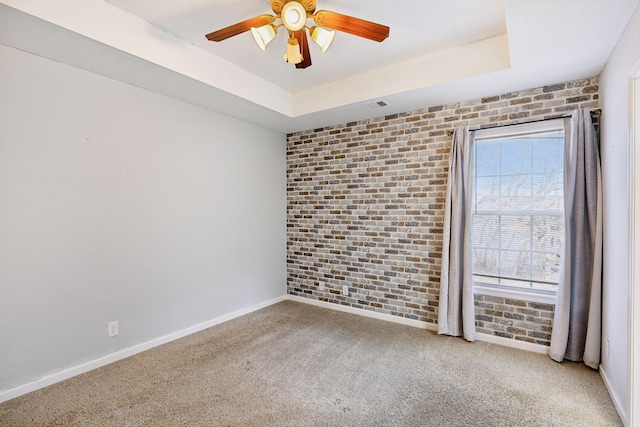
{"x":377,"y":104}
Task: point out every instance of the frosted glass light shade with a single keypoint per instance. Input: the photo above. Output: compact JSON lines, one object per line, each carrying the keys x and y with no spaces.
{"x":322,"y":37}
{"x":264,"y":35}
{"x":294,"y":16}
{"x":292,"y":55}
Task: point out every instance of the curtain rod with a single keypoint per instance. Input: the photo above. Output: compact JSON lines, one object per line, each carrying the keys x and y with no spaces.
{"x":596,"y":112}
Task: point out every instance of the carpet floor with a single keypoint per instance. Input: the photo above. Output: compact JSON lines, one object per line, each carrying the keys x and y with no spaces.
{"x":293,"y":364}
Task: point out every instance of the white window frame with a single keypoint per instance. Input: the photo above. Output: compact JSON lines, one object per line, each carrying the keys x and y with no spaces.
{"x":533,"y":295}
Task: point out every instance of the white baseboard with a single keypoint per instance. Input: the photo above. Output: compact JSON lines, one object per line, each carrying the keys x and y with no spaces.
{"x":123,"y":354}
{"x":617,"y":402}
{"x":506,"y":342}
{"x":365,"y":313}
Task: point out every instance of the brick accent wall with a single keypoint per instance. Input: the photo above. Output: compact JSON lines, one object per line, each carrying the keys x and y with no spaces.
{"x":515,"y":319}
{"x":365,"y":208}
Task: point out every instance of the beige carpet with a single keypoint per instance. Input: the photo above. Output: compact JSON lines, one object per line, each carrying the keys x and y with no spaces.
{"x":293,"y":364}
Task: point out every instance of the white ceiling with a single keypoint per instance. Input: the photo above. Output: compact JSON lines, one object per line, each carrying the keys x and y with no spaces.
{"x":439,"y":51}
{"x":419,"y":33}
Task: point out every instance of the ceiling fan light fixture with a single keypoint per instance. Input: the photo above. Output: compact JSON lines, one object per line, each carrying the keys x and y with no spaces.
{"x":292,"y":55}
{"x":322,"y":37}
{"x":293,"y":16}
{"x":264,"y":35}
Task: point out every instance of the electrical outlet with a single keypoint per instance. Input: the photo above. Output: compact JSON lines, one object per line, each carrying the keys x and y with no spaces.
{"x":112,"y":329}
{"x":321,"y":286}
{"x":345,"y":290}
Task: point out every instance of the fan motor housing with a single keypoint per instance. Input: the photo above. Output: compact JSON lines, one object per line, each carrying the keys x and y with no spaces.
{"x":277,"y":5}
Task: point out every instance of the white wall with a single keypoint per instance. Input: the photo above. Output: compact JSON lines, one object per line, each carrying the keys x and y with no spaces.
{"x":120,"y":204}
{"x":614,"y":92}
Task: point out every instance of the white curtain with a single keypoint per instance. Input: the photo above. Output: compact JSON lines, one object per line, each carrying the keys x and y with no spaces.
{"x":577,"y":320}
{"x":456,"y":314}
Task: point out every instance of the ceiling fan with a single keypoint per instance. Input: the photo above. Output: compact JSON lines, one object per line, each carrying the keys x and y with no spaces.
{"x":293,"y":15}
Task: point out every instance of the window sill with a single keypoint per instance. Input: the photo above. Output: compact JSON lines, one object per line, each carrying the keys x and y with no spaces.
{"x":519,"y":294}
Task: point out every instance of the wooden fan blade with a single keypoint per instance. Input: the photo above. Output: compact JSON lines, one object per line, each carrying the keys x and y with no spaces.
{"x":240,"y":27}
{"x":301,"y":36}
{"x":348,"y":24}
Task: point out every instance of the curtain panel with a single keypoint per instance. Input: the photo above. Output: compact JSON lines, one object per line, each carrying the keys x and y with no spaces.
{"x":576,"y":333}
{"x":456,"y":313}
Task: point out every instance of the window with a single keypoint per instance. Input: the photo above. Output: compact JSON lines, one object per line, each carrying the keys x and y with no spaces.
{"x":518,"y":207}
